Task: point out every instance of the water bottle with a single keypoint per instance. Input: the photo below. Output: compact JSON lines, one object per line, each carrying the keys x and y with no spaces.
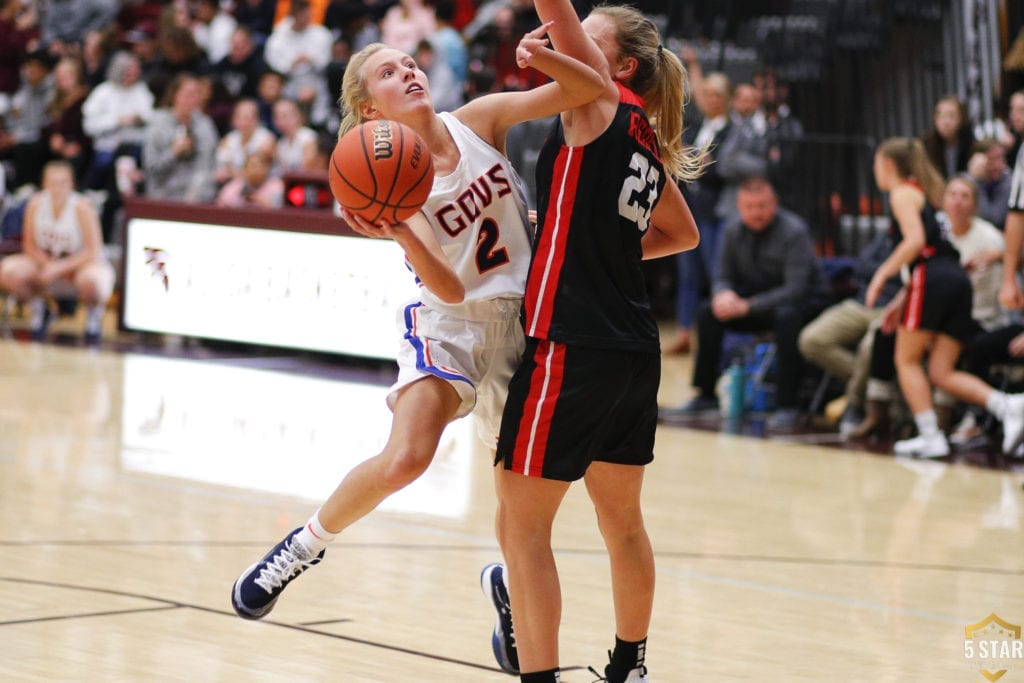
{"x":737,"y":388}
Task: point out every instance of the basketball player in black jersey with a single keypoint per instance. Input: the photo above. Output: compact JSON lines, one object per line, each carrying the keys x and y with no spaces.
{"x":583,"y":402}
{"x":933,"y":313}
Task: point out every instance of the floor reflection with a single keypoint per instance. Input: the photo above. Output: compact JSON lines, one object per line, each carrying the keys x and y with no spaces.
{"x":274,"y":432}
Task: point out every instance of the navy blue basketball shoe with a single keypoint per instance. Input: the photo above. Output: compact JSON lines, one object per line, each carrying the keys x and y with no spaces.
{"x":503,"y":640}
{"x":259,"y":586}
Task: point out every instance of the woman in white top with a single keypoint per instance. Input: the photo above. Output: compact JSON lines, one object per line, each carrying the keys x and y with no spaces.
{"x":296,"y":148}
{"x":246,"y":137}
{"x":116,"y":113}
{"x":61,"y":247}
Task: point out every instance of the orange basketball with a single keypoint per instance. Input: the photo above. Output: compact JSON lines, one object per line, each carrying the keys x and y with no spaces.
{"x":381,"y":170}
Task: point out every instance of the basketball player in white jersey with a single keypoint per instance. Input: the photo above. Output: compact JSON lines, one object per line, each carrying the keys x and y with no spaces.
{"x":469,"y":248}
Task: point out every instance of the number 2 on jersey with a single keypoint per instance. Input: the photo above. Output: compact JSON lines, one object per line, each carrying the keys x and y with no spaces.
{"x":639,"y":192}
{"x":487,"y":256}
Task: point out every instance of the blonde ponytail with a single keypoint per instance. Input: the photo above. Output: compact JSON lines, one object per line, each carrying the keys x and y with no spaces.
{"x":911,"y":161}
{"x":660,"y":79}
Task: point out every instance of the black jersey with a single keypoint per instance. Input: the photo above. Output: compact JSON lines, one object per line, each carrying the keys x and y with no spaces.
{"x":594,"y":205}
{"x":936,"y":240}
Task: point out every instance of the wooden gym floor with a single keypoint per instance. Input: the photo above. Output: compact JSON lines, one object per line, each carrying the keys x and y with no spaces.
{"x":135,"y":485}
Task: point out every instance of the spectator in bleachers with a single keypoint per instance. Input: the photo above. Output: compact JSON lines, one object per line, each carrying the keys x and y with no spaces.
{"x":981,"y":247}
{"x":212,"y":28}
{"x":706,"y":128}
{"x":297,"y":45}
{"x":839,"y":340}
{"x":448,"y":42}
{"x":494,"y":45}
{"x":179,"y":155}
{"x":406,"y":23}
{"x":269,"y":89}
{"x":238,"y":73}
{"x":951,"y":137}
{"x":445,"y":89}
{"x":256,"y":186}
{"x":353,"y":21}
{"x":246,"y":137}
{"x":23,"y":141}
{"x":98,"y":48}
{"x":65,"y":135}
{"x":115,"y":115}
{"x":768,"y":279}
{"x":783,"y":135}
{"x":258,"y":17}
{"x":66,"y":22}
{"x":301,"y":50}
{"x":179,"y":53}
{"x":296,"y":148}
{"x":988,"y":168}
{"x":744,"y":151}
{"x":1015,"y":117}
{"x":61,"y":243}
{"x":17,"y":23}
{"x":141,"y":41}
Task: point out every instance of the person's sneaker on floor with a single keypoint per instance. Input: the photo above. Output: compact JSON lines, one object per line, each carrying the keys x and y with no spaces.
{"x":503,"y":639}
{"x":40,"y":324}
{"x":94,"y":325}
{"x":697,"y":404}
{"x":934,"y":446}
{"x":783,"y":418}
{"x":1013,"y":423}
{"x":259,"y":586}
{"x":966,"y":432}
{"x":850,"y":420}
{"x":637,"y":675}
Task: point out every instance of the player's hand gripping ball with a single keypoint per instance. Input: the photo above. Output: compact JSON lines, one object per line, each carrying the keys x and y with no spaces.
{"x":381,"y":171}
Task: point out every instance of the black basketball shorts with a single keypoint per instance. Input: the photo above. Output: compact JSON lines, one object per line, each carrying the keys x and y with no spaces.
{"x":570,"y":405}
{"x":940,"y":299}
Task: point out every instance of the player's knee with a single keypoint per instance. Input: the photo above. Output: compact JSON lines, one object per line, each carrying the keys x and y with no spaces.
{"x":621,"y":526}
{"x":405,"y":465}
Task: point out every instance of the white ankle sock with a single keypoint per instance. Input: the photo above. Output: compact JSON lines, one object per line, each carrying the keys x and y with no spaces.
{"x":996,"y":404}
{"x":94,"y":319}
{"x":38,"y":308}
{"x":314,"y":536}
{"x":927,"y":424}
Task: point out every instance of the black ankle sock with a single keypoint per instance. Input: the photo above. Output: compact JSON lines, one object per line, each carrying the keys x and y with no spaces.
{"x":549,"y":676}
{"x":626,"y":657}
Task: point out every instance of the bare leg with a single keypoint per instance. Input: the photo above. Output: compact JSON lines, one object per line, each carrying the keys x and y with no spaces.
{"x":421,"y":413}
{"x":910,"y":348}
{"x":615,"y":492}
{"x":943,"y":372}
{"x":527,"y":511}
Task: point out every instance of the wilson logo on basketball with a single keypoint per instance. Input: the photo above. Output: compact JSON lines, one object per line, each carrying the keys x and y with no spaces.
{"x":383,"y":146}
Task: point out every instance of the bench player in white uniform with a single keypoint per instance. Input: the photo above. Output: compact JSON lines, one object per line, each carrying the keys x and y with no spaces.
{"x":469,"y":248}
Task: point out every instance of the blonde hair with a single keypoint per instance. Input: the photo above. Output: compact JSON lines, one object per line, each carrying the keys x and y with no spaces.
{"x":660,"y":79}
{"x":354,"y":92}
{"x":912,"y":161}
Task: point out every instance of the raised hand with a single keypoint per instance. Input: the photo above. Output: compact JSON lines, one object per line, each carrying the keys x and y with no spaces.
{"x":531,"y":43}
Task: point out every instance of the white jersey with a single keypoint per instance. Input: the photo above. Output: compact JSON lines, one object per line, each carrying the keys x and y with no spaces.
{"x":59,"y":235}
{"x":478,"y":213}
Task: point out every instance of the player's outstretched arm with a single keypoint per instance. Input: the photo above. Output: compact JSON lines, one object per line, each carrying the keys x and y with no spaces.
{"x":567,"y":34}
{"x":574,"y":84}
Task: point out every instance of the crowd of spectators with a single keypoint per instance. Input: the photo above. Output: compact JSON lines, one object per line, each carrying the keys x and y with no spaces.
{"x":171,"y":99}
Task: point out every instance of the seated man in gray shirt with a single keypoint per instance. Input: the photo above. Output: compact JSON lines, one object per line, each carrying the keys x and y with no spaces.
{"x":768,"y":279}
